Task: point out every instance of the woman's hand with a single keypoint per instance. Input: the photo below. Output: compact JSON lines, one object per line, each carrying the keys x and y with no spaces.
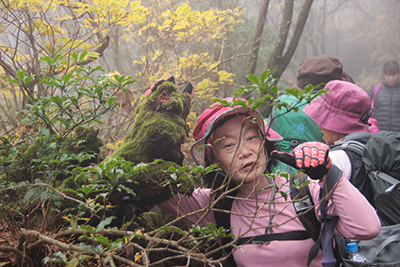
{"x":312,"y":157}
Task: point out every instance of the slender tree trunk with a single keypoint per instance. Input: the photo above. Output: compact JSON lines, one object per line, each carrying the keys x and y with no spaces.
{"x":262,"y":17}
{"x":279,"y":60}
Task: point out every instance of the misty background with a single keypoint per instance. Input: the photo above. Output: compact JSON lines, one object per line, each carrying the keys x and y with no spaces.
{"x":363,"y":34}
{"x":217,"y":58}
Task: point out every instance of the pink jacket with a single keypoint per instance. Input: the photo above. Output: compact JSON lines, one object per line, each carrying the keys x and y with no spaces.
{"x":357,"y":220}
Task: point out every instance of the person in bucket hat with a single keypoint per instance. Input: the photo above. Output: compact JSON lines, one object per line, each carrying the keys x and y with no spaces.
{"x":342,"y":115}
{"x":234,"y":138}
{"x":294,"y":126}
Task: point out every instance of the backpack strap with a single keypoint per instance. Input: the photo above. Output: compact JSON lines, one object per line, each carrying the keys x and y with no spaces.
{"x":266,"y":238}
{"x":224,"y":218}
{"x":322,"y":233}
{"x":374,"y":93}
{"x":304,"y":206}
{"x":351,"y":145}
{"x":386,"y":177}
{"x":328,"y":221}
{"x":354,"y":142}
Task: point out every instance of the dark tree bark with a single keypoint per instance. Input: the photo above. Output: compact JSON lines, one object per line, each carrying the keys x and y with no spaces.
{"x":262,"y":17}
{"x":279,"y":58}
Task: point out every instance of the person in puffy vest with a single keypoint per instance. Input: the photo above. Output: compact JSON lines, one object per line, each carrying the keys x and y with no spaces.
{"x":296,"y":127}
{"x":343,"y":115}
{"x":386,"y":100}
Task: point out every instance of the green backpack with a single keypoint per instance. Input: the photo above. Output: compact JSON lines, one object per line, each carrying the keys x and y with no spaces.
{"x":295,"y":128}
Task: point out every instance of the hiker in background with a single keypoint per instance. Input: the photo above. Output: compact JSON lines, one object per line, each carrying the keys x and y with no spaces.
{"x":296,"y":127}
{"x":343,"y":115}
{"x":233,"y":138}
{"x":385,"y":100}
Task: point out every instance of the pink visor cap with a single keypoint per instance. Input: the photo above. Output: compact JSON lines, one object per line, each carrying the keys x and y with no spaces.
{"x":216,"y":112}
{"x":345,"y":109}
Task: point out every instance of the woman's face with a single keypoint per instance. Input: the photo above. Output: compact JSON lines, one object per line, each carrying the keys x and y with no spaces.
{"x":330,"y":137}
{"x":391,"y":78}
{"x":240,"y":153}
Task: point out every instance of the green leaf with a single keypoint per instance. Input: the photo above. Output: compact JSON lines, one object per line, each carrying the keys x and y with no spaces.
{"x":104,"y":223}
{"x":254,"y":79}
{"x":111,"y":100}
{"x":87,"y":247}
{"x":63,"y":157}
{"x":47,"y":59}
{"x":102,"y":239}
{"x":27,"y":80}
{"x":172,"y":169}
{"x":87,"y":228}
{"x":264,"y":76}
{"x":15,"y":81}
{"x":56,"y":99}
{"x":83,"y":55}
{"x":274,"y":90}
{"x":73,"y":263}
{"x":74,"y":56}
{"x":21,"y":74}
{"x":44,"y":131}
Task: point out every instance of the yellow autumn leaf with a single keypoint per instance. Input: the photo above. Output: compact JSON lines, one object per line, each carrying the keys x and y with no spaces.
{"x":67,"y":218}
{"x":4,"y":48}
{"x":185,"y":8}
{"x":138,"y":256}
{"x":93,"y":55}
{"x":157,"y":53}
{"x":106,"y":3}
{"x":183,"y":59}
{"x":213,"y":66}
{"x":179,"y":26}
{"x":213,"y":83}
{"x":124,"y":3}
{"x":203,"y":84}
{"x":64,"y":17}
{"x":167,"y":22}
{"x":225,"y":76}
{"x":111,"y":74}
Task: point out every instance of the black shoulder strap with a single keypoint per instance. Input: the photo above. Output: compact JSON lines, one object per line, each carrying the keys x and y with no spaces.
{"x":224,"y":206}
{"x":326,"y":235}
{"x":224,"y":219}
{"x":304,"y":205}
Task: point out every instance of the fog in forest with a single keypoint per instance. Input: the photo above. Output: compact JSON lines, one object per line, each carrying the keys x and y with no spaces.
{"x":363,"y":34}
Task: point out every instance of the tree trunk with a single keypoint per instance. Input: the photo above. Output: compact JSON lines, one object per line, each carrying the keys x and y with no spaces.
{"x":262,"y":17}
{"x":279,"y":60}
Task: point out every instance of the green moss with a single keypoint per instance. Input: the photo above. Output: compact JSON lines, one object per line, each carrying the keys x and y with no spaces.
{"x":155,"y":185}
{"x":158,"y":132}
{"x":36,"y":156}
{"x":159,"y":128}
{"x":92,"y":142}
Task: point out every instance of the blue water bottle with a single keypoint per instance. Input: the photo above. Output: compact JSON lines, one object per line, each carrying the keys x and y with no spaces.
{"x":354,"y":255}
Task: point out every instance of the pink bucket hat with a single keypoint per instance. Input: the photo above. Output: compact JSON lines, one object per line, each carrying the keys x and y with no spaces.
{"x":345,"y":109}
{"x":207,"y":120}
